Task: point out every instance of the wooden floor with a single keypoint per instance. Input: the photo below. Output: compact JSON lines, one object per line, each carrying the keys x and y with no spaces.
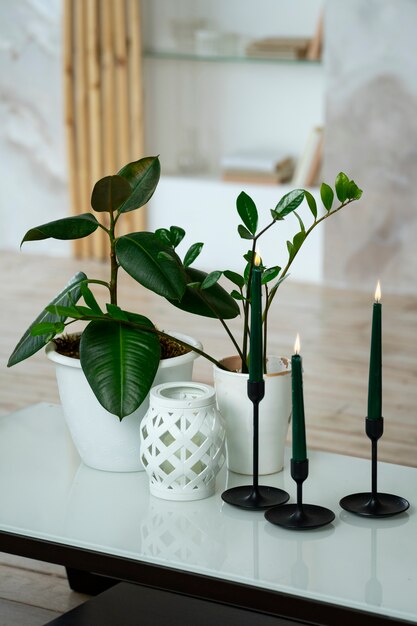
{"x":334,"y":326}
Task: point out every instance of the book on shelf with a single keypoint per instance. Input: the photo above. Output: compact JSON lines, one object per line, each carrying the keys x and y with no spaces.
{"x":308,"y":166}
{"x":261,"y":167}
{"x":292,"y":48}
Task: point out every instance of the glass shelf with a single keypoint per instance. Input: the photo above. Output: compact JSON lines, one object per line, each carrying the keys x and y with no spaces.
{"x":174,"y":55}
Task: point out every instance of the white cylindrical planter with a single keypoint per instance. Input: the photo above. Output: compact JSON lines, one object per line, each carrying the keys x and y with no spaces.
{"x":237,"y":411}
{"x":102,"y":440}
{"x":182,"y":441}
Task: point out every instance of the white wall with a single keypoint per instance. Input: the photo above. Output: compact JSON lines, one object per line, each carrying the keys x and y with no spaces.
{"x":207,"y":212}
{"x":33,"y":188}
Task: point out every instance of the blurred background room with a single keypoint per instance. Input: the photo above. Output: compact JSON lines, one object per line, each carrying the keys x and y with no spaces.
{"x":232,"y":95}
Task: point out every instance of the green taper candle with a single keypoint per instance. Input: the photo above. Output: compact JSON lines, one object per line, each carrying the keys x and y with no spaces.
{"x":299,"y":448}
{"x":255,"y":353}
{"x":375,"y":361}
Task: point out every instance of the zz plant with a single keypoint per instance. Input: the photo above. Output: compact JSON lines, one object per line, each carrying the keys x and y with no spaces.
{"x":120,"y":350}
{"x":346,"y":192}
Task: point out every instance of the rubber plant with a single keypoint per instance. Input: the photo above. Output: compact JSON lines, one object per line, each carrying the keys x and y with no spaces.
{"x":120,"y":350}
{"x":197,"y":297}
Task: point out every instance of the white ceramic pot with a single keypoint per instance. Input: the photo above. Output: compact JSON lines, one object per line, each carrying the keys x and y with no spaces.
{"x":237,"y":410}
{"x":102,"y":440}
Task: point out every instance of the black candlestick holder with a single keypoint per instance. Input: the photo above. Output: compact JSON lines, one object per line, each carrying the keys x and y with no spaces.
{"x":255,"y":497}
{"x":373,"y":503}
{"x":299,"y":516}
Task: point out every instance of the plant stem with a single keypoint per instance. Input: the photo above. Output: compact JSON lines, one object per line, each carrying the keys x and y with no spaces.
{"x":290,"y":260}
{"x":99,"y":282}
{"x":225,"y":326}
{"x":246,"y":313}
{"x":114,"y":266}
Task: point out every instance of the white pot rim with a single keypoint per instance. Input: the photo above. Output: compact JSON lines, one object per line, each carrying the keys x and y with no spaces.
{"x":285,"y":361}
{"x":61,"y":359}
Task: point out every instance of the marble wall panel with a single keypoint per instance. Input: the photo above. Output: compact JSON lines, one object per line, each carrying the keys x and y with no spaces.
{"x":33,"y":177}
{"x":371,"y":134}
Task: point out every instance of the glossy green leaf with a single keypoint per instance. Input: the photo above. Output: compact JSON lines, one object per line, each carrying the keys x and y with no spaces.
{"x":297,"y":242}
{"x":47,"y":328}
{"x":120,"y":363}
{"x":235,"y":278}
{"x":270,"y":274}
{"x":28,"y":345}
{"x":341,"y":186}
{"x":109,"y":193}
{"x":353,"y":191}
{"x":247,"y":212}
{"x":177,"y":235}
{"x":138,"y":254}
{"x":143,"y":177}
{"x":89,"y":298}
{"x":192,"y":253}
{"x":311,"y":201}
{"x":211,"y":279}
{"x":243,"y":232}
{"x":327,"y":196}
{"x":64,"y":311}
{"x":275,"y":215}
{"x":289,"y":247}
{"x":290,"y":202}
{"x":67,"y":228}
{"x":164,"y":235}
{"x":116,"y":312}
{"x":236,"y":295}
{"x":300,"y":221}
{"x":202,"y":302}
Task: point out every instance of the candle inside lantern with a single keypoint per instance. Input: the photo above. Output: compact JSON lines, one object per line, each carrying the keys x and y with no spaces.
{"x":375,"y":361}
{"x":255,"y":354}
{"x":299,"y":448}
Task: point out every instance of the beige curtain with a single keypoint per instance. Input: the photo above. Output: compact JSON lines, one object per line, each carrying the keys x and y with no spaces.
{"x":103,"y":103}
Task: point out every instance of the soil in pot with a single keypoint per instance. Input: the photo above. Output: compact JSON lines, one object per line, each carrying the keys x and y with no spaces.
{"x":69,"y":345}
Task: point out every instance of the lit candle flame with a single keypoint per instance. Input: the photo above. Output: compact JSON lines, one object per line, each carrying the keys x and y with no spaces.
{"x":257,"y":260}
{"x":378,"y":293}
{"x":297,"y":344}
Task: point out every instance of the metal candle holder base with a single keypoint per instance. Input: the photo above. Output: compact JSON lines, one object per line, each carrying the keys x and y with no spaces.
{"x":374,"y":504}
{"x":300,"y":516}
{"x":255,"y":497}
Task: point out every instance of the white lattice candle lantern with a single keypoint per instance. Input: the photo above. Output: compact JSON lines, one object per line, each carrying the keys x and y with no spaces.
{"x":182,"y":441}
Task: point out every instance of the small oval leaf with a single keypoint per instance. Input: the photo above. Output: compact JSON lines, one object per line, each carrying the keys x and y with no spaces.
{"x":211,"y":279}
{"x":109,"y":193}
{"x":247,"y":212}
{"x":235,"y":278}
{"x":290,"y":202}
{"x":192,"y":253}
{"x":311,"y":201}
{"x":341,"y":186}
{"x":243,"y":232}
{"x":327,"y":196}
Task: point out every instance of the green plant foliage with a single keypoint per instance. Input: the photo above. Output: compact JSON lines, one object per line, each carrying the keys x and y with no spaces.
{"x":247,"y":212}
{"x":269,"y":274}
{"x":211,"y":279}
{"x":341,"y":186}
{"x":29,"y":344}
{"x":109,"y":193}
{"x":192,"y":253}
{"x":288,"y":203}
{"x":67,"y":228}
{"x":211,"y":302}
{"x":243,"y":232}
{"x":120,"y":363}
{"x":235,"y":278}
{"x":311,"y":201}
{"x":327,"y":196}
{"x":139,"y":255}
{"x":143,"y":177}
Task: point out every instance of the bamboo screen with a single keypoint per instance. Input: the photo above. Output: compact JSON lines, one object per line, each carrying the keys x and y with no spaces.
{"x":103,"y":103}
